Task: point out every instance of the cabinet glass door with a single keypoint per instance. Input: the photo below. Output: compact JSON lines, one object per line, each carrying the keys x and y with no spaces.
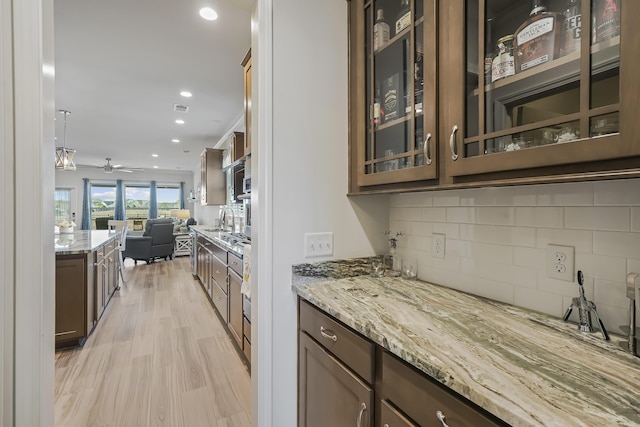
{"x":542,"y":84}
{"x":399,"y":92}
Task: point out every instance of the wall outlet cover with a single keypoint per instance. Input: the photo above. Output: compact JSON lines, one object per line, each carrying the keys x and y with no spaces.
{"x":438,"y":245}
{"x":560,"y":262}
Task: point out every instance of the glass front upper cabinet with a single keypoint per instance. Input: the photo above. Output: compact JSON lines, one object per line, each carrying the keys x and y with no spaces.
{"x":542,"y":84}
{"x":396,"y":140}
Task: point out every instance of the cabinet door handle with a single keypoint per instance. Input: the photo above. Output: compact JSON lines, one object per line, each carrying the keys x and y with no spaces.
{"x":427,"y":149}
{"x":452,"y":142}
{"x":440,"y":416}
{"x":330,"y":336}
{"x":363,"y":408}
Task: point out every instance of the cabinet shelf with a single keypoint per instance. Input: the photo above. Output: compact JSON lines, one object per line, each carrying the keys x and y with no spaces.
{"x":555,"y":74}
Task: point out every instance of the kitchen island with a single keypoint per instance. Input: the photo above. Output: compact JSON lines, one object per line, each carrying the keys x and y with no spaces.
{"x":86,"y":277}
{"x":523,"y":367}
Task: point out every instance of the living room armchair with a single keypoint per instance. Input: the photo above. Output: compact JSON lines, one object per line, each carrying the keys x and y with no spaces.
{"x":156,"y":241}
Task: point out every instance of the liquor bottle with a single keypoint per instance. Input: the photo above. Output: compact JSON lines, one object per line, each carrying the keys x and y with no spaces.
{"x":380,"y":31}
{"x":537,"y":41}
{"x":391,"y":97}
{"x":606,"y":17}
{"x":488,"y":51}
{"x":378,"y":110}
{"x":418,"y":77}
{"x":403,"y":19}
{"x":572,"y":27}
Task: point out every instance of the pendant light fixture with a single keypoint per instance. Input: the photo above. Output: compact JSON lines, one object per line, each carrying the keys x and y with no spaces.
{"x":64,"y":155}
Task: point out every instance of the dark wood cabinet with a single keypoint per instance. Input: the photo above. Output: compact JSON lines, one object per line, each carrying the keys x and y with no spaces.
{"x":71,"y":296}
{"x":235,"y":307}
{"x":329,"y":393}
{"x":339,"y":371}
{"x":564,"y":116}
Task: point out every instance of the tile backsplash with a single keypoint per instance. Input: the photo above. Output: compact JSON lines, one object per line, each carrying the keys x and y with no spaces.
{"x":496,"y":242}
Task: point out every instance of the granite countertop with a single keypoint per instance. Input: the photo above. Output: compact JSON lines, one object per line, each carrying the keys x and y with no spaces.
{"x":82,"y":241}
{"x":527,"y":368}
{"x":215,"y":236}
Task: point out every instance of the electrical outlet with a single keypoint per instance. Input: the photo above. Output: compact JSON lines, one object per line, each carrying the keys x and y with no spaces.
{"x":437,"y":245}
{"x":318,"y":244}
{"x":560,"y":262}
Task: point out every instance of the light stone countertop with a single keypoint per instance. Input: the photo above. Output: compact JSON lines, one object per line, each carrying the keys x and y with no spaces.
{"x":214,"y":234}
{"x":82,"y":241}
{"x":527,"y":368}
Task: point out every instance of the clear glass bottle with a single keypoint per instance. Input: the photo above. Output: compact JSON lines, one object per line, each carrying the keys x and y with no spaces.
{"x":403,"y":19}
{"x":572,"y":27}
{"x":378,"y":110}
{"x":380,"y":31}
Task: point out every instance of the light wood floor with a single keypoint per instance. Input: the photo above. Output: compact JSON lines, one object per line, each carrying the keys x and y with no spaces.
{"x":158,"y":357}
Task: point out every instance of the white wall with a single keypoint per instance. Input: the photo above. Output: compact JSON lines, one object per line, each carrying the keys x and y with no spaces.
{"x":73,"y":180}
{"x":307,"y":183}
{"x":496,"y":242}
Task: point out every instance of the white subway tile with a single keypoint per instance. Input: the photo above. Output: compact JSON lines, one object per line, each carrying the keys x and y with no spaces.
{"x":451,"y":230}
{"x":597,"y":218}
{"x":479,"y":269}
{"x":616,"y":244}
{"x":446,"y":198}
{"x":516,"y":275}
{"x":621,"y":192}
{"x":550,"y":217}
{"x":411,"y":199}
{"x":477,"y":233}
{"x":582,"y":240}
{"x":498,"y":215}
{"x":633,"y":265}
{"x":433,"y":214}
{"x":613,"y":318}
{"x":405,"y":214}
{"x":602,"y":267}
{"x":539,"y":301}
{"x":610,"y":293}
{"x":503,"y":292}
{"x":530,"y":257}
{"x":517,"y":236}
{"x":462,"y":282}
{"x":420,"y":228}
{"x":478,"y":197}
{"x":525,"y":195}
{"x":491,"y":252}
{"x":457,"y":248}
{"x":461,"y":215}
{"x":567,"y":194}
{"x":635,"y":218}
{"x":560,"y":287}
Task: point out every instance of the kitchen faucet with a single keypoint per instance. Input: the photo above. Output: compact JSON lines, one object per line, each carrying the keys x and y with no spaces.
{"x":585,"y":309}
{"x":631,"y":345}
{"x":223,"y":219}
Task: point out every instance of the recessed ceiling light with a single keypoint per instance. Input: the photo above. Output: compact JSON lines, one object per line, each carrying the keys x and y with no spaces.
{"x":180,"y":121}
{"x":155,"y":167}
{"x":175,"y":141}
{"x":154,"y":155}
{"x":208,"y":14}
{"x":186,"y":94}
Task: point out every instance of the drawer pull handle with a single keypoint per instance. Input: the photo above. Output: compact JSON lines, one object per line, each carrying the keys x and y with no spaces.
{"x":452,"y":142}
{"x":427,"y":149}
{"x":363,"y":408}
{"x":441,"y":418}
{"x":330,"y":336}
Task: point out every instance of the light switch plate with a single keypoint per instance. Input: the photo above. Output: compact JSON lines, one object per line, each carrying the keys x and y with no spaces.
{"x":318,"y":245}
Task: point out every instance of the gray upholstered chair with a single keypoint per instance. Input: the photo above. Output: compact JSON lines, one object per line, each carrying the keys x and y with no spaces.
{"x":156,"y":241}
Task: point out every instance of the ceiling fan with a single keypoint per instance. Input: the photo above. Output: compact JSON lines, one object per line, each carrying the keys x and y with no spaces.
{"x":109,"y":168}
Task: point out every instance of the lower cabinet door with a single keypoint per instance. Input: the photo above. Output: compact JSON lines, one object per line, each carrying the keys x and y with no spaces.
{"x":390,"y":417}
{"x":329,"y":394}
{"x":235,"y":306}
{"x":70,"y":298}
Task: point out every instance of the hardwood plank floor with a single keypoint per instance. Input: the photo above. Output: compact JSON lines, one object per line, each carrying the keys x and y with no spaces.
{"x":158,"y":357}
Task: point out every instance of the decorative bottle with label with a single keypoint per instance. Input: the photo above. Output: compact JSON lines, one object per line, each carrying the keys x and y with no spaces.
{"x":572,"y":27}
{"x":378,"y":110}
{"x":538,"y":40}
{"x":606,"y":19}
{"x":380,"y":31}
{"x":403,"y":20}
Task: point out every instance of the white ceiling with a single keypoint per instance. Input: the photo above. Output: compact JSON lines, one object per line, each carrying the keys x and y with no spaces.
{"x":120,"y":67}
